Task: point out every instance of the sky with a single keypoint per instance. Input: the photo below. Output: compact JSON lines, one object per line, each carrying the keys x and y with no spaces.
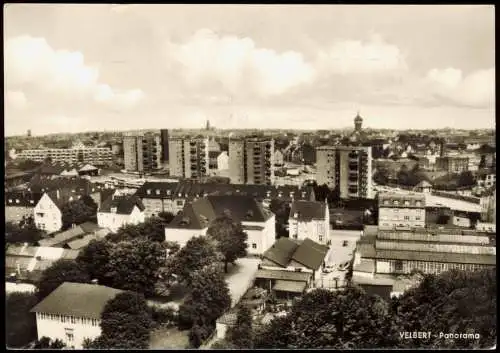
{"x":95,"y":67}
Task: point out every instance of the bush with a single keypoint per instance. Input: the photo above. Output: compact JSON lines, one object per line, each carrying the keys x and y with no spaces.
{"x":20,"y":323}
{"x":198,"y":334}
{"x":164,"y":316}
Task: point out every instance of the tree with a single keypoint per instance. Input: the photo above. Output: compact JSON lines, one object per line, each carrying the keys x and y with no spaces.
{"x":20,"y":324}
{"x":208,"y":300}
{"x":94,"y":258}
{"x":452,"y":302}
{"x":133,"y":265}
{"x":125,"y":323}
{"x":321,"y":192}
{"x":198,"y":253}
{"x":281,"y":209}
{"x":466,"y":179}
{"x":166,"y":216}
{"x":48,"y":343}
{"x":241,"y":335}
{"x":337,"y":320}
{"x":198,"y":334}
{"x":381,"y":176}
{"x":59,"y":272}
{"x":78,"y":212}
{"x":153,"y":229}
{"x":231,"y":239}
{"x":25,"y":232}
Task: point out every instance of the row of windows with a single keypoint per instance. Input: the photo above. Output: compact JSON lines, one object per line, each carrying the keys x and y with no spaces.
{"x":68,"y":319}
{"x":18,"y":201}
{"x":397,"y":218}
{"x":432,"y":267}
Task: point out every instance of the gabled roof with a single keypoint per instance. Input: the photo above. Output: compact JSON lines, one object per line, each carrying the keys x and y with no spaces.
{"x":77,"y":299}
{"x":199,"y":213}
{"x":284,"y":275}
{"x":165,"y":190}
{"x":25,"y":198}
{"x":281,"y":251}
{"x":124,"y":204}
{"x":79,"y":185}
{"x":308,"y":210}
{"x":62,"y":238}
{"x":310,"y":254}
{"x":424,"y":184}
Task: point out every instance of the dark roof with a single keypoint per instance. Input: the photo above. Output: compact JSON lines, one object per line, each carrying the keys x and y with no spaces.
{"x":157,"y":190}
{"x":436,"y":257}
{"x":310,"y":254}
{"x":400,"y":200}
{"x":77,"y":299}
{"x":25,"y":198}
{"x":289,"y":286}
{"x":199,"y":213}
{"x":79,"y":185}
{"x":62,"y":196}
{"x":124,"y":204}
{"x":308,"y":210}
{"x":281,"y":251}
{"x":89,"y":227}
{"x":284,"y":275}
{"x":62,"y":238}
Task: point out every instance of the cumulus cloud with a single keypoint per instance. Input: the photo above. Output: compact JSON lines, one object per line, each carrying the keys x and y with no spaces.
{"x":476,"y":89}
{"x":375,"y":56}
{"x":15,"y":99}
{"x":32,"y":61}
{"x":237,"y":64}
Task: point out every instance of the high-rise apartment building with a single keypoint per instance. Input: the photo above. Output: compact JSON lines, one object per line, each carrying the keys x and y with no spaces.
{"x":142,"y":152}
{"x":251,"y":161}
{"x":188,"y":157}
{"x":347,"y":169}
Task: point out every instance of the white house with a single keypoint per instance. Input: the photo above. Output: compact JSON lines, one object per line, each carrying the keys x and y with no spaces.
{"x":60,"y":316}
{"x":47,"y":212}
{"x":196,"y":216}
{"x":118,"y":211}
{"x":223,"y":161}
{"x":309,"y":219}
{"x":278,"y":158}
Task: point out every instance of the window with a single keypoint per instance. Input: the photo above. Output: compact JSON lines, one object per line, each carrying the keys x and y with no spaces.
{"x":69,"y":335}
{"x":320,"y":237}
{"x":32,"y":202}
{"x":17,"y":201}
{"x":10,"y":200}
{"x":63,"y":319}
{"x":407,"y":203}
{"x":148,"y":192}
{"x":386,"y":202}
{"x":398,"y":265}
{"x":407,"y":218}
{"x":157,"y":192}
{"x":180,"y":202}
{"x":254,"y":246}
{"x":417,"y":218}
{"x":396,"y":202}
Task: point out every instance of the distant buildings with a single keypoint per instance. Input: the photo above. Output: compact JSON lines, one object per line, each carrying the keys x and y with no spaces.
{"x":452,"y":164}
{"x":251,"y":161}
{"x":28,"y":133}
{"x":142,"y":152}
{"x":77,"y":154}
{"x":59,"y":316}
{"x":164,"y":145}
{"x":310,"y":219}
{"x":347,"y":169}
{"x":401,"y":210}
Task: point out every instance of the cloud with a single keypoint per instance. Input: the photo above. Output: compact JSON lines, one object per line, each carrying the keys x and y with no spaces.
{"x":237,"y":65}
{"x":346,"y":57}
{"x":15,"y":99}
{"x":33,"y":62}
{"x":476,"y":89}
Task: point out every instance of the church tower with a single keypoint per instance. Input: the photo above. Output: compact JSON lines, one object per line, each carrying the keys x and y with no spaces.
{"x":358,"y":123}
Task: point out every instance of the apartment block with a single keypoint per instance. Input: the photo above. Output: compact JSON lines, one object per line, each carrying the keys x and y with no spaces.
{"x":77,"y":154}
{"x":188,"y":157}
{"x":251,"y":161}
{"x":452,"y":164}
{"x":347,"y":169}
{"x":142,"y":152}
{"x":401,"y":210}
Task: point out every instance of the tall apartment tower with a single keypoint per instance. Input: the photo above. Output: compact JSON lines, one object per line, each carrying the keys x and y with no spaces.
{"x":142,"y":152}
{"x":28,"y":133}
{"x":251,"y":161}
{"x":188,"y":157}
{"x":164,"y":145}
{"x":347,"y":169}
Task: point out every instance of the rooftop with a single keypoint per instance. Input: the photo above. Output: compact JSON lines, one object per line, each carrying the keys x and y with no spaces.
{"x":124,"y":204}
{"x":77,"y":299}
{"x":308,"y":210}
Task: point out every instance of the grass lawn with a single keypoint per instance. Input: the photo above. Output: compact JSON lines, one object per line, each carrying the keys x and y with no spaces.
{"x":169,"y":338}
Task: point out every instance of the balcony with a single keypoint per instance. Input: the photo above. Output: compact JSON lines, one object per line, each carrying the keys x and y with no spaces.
{"x":353,"y":166}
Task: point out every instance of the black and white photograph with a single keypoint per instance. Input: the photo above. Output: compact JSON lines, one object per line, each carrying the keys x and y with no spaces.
{"x":249,"y":176}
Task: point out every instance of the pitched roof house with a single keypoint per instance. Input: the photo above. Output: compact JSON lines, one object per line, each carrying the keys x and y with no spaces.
{"x":197,"y":215}
{"x":309,"y":219}
{"x":118,"y":211}
{"x":72,"y":312}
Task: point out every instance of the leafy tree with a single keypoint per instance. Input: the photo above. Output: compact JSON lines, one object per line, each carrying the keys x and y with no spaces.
{"x":78,"y":212}
{"x":453,"y":302}
{"x":125,"y":323}
{"x":47,"y":343}
{"x":166,"y":216}
{"x":281,"y":209}
{"x":241,"y":335}
{"x":223,"y":344}
{"x":381,"y":176}
{"x":20,"y":323}
{"x":198,"y":334}
{"x":231,"y":239}
{"x":59,"y":272}
{"x":133,"y":265}
{"x":466,"y":179}
{"x":209,"y":298}
{"x":321,"y":192}
{"x":153,"y":229}
{"x":198,"y":253}
{"x":94,"y":258}
{"x":338,"y":320}
{"x":25,"y":232}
